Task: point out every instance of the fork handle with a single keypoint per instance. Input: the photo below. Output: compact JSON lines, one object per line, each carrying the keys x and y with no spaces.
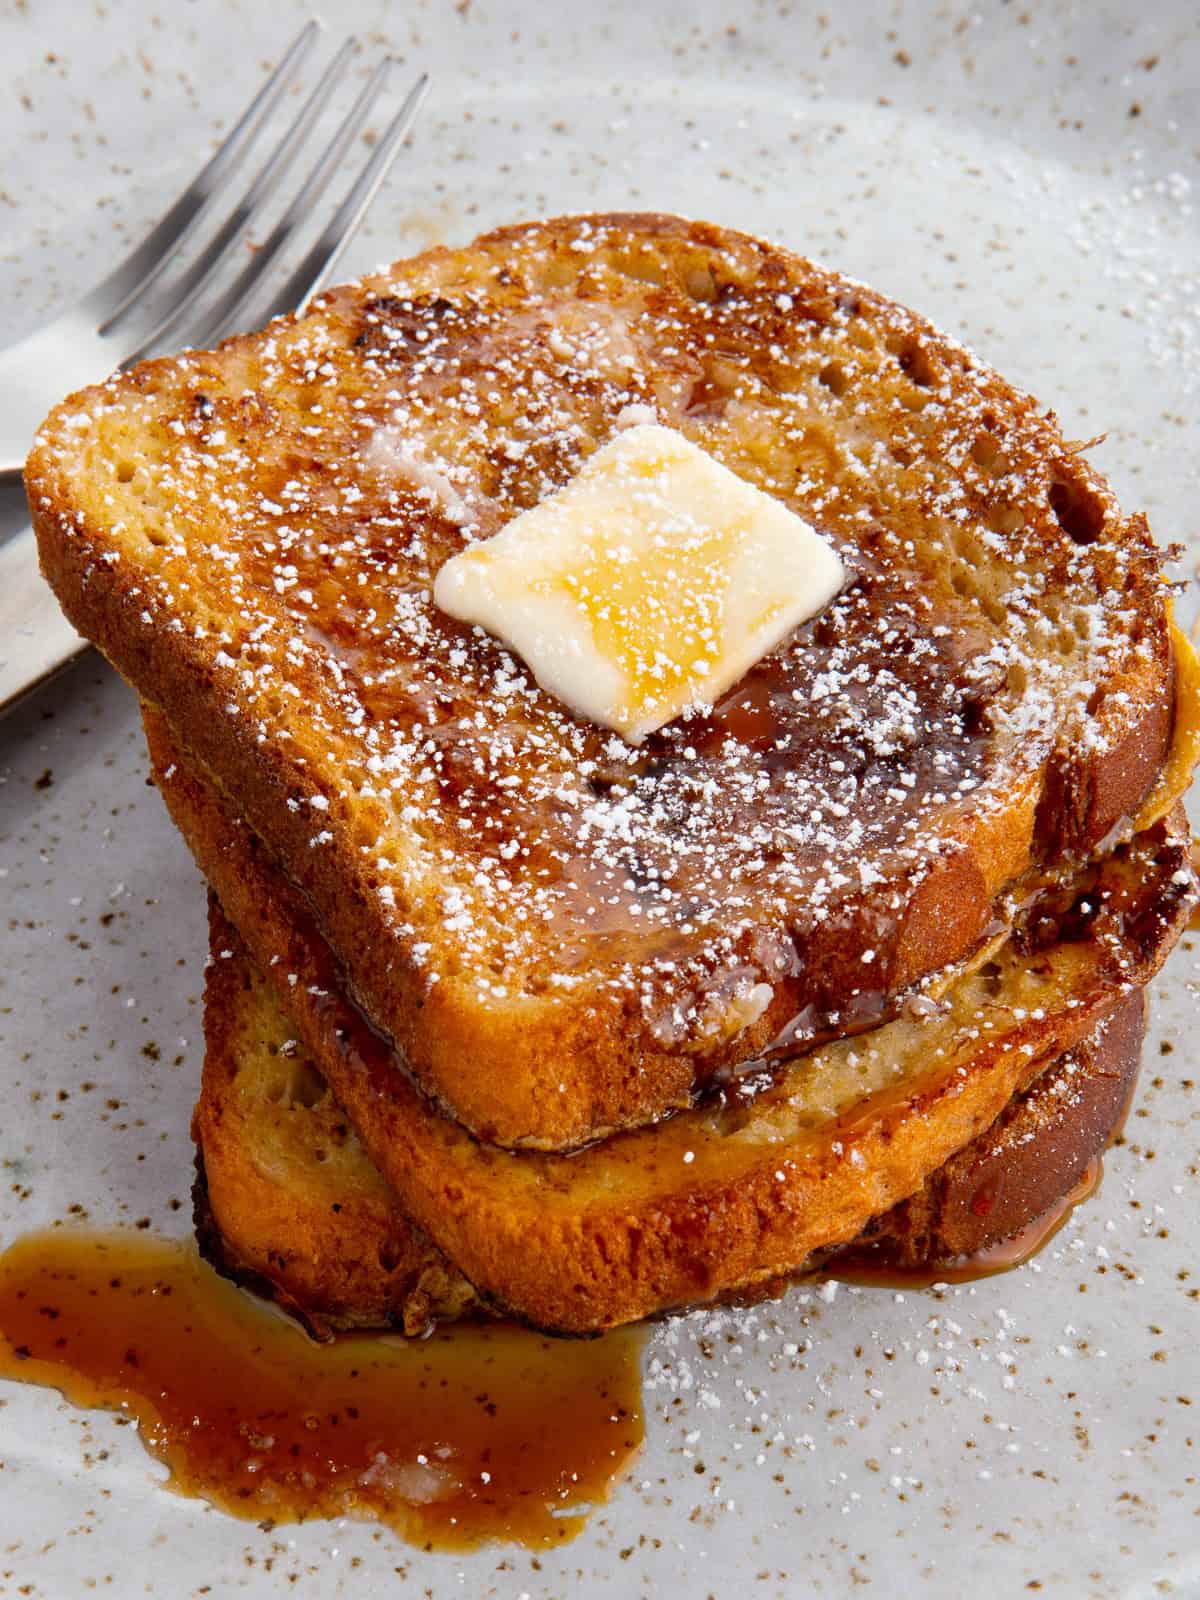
{"x":36,"y":640}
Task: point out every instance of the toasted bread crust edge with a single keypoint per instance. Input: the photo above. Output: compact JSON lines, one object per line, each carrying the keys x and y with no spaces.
{"x":492,"y":1072}
{"x":614,"y":1263}
{"x":318,"y":1266}
{"x":1034,"y":1154}
{"x":363,"y":1264}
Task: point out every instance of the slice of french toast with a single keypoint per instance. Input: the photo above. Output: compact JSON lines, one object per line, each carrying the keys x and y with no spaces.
{"x":723,"y":1196}
{"x":286,"y":1198}
{"x":1039,"y":1150}
{"x":288,"y":1201}
{"x":561,"y":934}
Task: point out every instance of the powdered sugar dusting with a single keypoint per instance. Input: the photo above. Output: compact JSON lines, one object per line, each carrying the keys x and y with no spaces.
{"x":327,"y":472}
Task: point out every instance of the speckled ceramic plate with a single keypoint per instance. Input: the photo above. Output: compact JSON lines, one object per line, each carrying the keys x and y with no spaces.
{"x":1024,"y":175}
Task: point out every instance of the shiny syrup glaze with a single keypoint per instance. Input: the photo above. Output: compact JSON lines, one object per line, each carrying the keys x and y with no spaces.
{"x":772,"y":726}
{"x":480,"y":1432}
{"x":605,"y":908}
{"x":873,"y":1266}
{"x":856,"y":739}
{"x":449,"y":1442}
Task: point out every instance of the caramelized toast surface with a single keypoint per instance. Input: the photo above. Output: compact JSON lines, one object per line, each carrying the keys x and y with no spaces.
{"x":560,"y":934}
{"x":718,"y":1199}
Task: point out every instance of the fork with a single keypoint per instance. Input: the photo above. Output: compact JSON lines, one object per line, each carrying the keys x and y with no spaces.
{"x":142,"y":307}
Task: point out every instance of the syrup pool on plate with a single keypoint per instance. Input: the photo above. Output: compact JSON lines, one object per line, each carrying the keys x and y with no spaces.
{"x":483,"y":1431}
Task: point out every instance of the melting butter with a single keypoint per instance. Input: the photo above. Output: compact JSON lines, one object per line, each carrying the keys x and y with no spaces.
{"x":651,"y":582}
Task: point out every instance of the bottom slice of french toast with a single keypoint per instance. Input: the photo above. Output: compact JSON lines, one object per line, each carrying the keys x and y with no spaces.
{"x":289,"y":1203}
{"x":286,"y":1199}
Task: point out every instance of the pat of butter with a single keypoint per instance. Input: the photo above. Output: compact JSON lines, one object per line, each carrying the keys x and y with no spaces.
{"x":652,"y":582}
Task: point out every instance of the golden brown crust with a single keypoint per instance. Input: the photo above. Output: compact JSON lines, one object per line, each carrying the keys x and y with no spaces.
{"x":879,"y":403}
{"x":1035,"y":1153}
{"x":708,"y":1202}
{"x":285,"y":1198}
{"x":281,"y":1236}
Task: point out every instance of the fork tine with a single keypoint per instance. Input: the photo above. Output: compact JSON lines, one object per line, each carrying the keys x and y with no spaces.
{"x":139,"y":269}
{"x":221,"y":316}
{"x":321,"y":259}
{"x":181,"y":294}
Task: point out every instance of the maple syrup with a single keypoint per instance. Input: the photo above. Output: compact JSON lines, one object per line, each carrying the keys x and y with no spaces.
{"x":874,"y":1266}
{"x":482,"y":1431}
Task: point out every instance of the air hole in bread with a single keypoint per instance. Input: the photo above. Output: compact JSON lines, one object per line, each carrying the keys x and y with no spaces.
{"x":915,"y":361}
{"x":902,"y":455}
{"x":834,"y":378}
{"x":701,"y":285}
{"x":1004,"y":518}
{"x":298,"y":1084}
{"x":965,"y":584}
{"x":388,"y":1257}
{"x":986,"y":453}
{"x":642,"y":269}
{"x":710,"y":394}
{"x":1080,"y":512}
{"x":990,"y":977}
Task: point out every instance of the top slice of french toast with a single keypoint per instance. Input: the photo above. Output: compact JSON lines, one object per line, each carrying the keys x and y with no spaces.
{"x":563,"y":934}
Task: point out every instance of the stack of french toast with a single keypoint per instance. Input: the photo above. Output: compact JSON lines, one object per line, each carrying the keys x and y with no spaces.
{"x":511,"y":1011}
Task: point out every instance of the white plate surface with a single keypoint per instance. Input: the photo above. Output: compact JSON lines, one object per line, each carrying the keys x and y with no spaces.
{"x":1027,"y":177}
